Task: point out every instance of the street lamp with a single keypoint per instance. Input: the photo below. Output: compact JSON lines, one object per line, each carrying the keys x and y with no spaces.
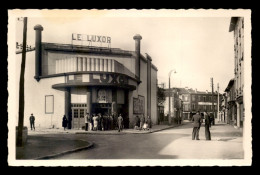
{"x":169,"y":117}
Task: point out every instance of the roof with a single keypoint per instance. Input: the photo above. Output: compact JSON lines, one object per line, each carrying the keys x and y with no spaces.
{"x":189,"y":91}
{"x":230,"y":84}
{"x":233,"y":23}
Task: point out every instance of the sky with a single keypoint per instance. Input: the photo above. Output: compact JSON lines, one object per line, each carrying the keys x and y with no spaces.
{"x":198,"y":48}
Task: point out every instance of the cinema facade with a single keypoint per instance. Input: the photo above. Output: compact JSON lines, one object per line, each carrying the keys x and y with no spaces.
{"x":71,"y":80}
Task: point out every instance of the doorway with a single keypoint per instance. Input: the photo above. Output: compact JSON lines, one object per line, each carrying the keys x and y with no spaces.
{"x":78,"y":113}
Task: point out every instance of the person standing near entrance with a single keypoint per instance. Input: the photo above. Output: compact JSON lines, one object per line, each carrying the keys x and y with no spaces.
{"x":120,"y":122}
{"x":87,"y":122}
{"x":111,"y":122}
{"x":32,"y":120}
{"x":137,"y":121}
{"x":149,"y":122}
{"x":95,"y":122}
{"x":207,"y":125}
{"x":196,"y":125}
{"x":64,"y":122}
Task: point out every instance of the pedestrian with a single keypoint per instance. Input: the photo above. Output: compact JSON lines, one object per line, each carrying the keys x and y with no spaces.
{"x":212,"y":119}
{"x":32,"y":120}
{"x":64,"y":122}
{"x":196,"y":125}
{"x":102,"y":122}
{"x":207,"y":123}
{"x":105,"y":122}
{"x":87,"y":121}
{"x":149,"y":122}
{"x":114,"y":121}
{"x":120,"y":122}
{"x":99,"y":122}
{"x":92,"y":122}
{"x":95,"y":122}
{"x":111,"y":122}
{"x":137,"y":122}
{"x":141,"y":121}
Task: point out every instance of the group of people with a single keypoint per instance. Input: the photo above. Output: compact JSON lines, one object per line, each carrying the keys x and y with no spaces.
{"x":103,"y":122}
{"x":143,"y":123}
{"x":197,"y":121}
{"x":98,"y":122}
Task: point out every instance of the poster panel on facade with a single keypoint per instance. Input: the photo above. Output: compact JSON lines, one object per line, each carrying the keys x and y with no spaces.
{"x":139,"y":105}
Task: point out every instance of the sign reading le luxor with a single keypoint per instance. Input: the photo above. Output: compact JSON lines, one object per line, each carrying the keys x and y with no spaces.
{"x":91,"y":38}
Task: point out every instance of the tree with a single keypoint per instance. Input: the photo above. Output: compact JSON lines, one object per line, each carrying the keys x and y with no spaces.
{"x":160,"y":96}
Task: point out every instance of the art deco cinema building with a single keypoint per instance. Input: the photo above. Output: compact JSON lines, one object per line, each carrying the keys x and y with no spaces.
{"x":71,"y":80}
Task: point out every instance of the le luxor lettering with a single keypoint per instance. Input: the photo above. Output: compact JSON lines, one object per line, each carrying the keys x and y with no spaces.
{"x":91,"y":38}
{"x":109,"y":79}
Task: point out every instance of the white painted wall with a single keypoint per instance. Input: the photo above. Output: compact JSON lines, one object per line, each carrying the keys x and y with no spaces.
{"x":35,"y":93}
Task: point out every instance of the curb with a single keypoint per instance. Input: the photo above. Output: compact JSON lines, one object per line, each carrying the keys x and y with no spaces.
{"x":123,"y":133}
{"x":90,"y":145}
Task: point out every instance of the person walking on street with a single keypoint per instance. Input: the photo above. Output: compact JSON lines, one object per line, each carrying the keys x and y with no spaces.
{"x":196,"y":125}
{"x":64,"y":122}
{"x":207,"y":125}
{"x":120,"y":122}
{"x":32,"y":120}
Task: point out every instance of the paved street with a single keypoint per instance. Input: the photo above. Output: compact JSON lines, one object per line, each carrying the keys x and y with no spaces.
{"x":172,"y":143}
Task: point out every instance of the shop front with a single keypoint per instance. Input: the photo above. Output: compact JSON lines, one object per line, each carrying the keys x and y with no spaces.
{"x":94,"y":95}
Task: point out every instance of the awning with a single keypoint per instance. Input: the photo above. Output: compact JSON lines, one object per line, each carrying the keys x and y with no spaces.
{"x":64,"y":86}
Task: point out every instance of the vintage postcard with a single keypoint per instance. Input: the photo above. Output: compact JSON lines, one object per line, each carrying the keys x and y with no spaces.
{"x":129,"y":87}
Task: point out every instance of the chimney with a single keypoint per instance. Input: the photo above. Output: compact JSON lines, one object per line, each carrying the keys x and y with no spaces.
{"x":206,"y":91}
{"x":38,"y":50}
{"x":196,"y":90}
{"x":137,"y":39}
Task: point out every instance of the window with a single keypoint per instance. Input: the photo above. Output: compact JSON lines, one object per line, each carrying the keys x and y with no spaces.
{"x":193,"y":97}
{"x":205,"y":107}
{"x":185,"y":98}
{"x":210,"y":98}
{"x":186,"y":107}
{"x":49,"y":104}
{"x":204,"y":98}
{"x":193,"y":106}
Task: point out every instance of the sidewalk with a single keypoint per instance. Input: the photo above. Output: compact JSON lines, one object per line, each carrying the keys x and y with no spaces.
{"x":47,"y":147}
{"x":155,"y":128}
{"x":226,"y":143}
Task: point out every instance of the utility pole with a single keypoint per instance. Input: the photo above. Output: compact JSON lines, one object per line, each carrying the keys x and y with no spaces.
{"x":213,"y":109}
{"x":21,"y":87}
{"x":218,"y":105}
{"x":169,"y":118}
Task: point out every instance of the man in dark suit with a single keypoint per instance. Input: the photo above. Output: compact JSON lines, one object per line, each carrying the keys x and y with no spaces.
{"x":196,"y":125}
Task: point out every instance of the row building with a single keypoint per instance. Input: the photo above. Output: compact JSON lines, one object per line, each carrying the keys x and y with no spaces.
{"x":235,"y":88}
{"x":193,"y":101}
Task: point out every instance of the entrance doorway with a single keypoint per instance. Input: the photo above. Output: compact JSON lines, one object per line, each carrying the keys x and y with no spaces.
{"x":78,"y":113}
{"x":102,"y":108}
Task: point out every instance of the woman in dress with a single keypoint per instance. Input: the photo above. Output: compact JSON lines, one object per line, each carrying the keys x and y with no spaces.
{"x":95,"y":122}
{"x":64,"y":122}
